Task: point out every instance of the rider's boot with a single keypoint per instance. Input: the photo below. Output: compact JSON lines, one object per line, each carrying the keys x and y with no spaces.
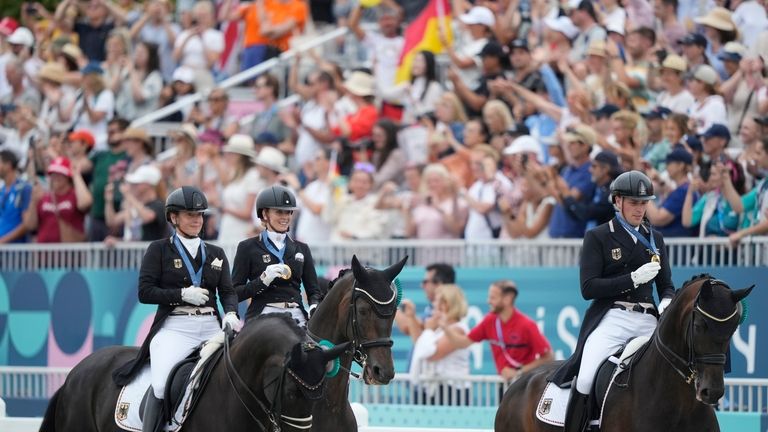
{"x":577,"y":413}
{"x":152,"y":411}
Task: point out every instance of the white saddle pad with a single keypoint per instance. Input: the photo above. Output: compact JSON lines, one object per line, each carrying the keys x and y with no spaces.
{"x":129,"y":401}
{"x":552,"y":405}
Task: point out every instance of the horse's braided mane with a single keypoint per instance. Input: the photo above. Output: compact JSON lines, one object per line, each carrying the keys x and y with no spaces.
{"x":696,"y":278}
{"x":343,"y":272}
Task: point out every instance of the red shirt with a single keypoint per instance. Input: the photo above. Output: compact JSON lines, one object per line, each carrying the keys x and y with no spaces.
{"x":48,"y":224}
{"x":360,"y":123}
{"x":520,"y":336}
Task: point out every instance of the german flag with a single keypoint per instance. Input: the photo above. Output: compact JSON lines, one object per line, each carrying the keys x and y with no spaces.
{"x":422,"y":35}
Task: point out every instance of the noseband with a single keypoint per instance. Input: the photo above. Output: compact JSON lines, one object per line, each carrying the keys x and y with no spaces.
{"x":273,"y":410}
{"x":687,"y":368}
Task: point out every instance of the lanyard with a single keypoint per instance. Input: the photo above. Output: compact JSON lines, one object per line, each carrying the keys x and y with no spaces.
{"x":721,"y":213}
{"x":197,"y":277}
{"x":279,"y":253}
{"x":501,"y":344}
{"x":651,"y":246}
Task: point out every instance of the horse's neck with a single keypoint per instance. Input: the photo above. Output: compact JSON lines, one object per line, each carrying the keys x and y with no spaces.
{"x":337,"y":393}
{"x":655,"y":368}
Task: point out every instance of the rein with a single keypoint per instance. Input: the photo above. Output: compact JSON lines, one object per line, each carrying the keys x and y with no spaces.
{"x":273,"y":411}
{"x":687,"y":368}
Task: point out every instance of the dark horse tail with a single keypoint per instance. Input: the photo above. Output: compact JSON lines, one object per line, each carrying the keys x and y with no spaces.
{"x":49,"y":420}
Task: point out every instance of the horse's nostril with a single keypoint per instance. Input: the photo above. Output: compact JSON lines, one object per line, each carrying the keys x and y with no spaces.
{"x":377,"y":372}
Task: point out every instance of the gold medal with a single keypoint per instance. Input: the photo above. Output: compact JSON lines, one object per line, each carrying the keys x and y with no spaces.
{"x":287,"y":274}
{"x":655,"y":258}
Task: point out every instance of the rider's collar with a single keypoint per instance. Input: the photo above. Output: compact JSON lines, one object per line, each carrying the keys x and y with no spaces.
{"x":190,"y":244}
{"x":277,"y":238}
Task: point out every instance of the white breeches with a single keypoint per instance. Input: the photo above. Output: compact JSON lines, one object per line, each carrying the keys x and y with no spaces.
{"x":174,"y":342}
{"x":616,"y":327}
{"x":296,"y":314}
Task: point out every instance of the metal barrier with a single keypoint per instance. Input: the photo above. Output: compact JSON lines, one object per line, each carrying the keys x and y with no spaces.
{"x":682,"y":252}
{"x":39,"y":383}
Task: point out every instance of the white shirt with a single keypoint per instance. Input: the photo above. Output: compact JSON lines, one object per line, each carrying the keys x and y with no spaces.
{"x":708,"y":112}
{"x":477,"y":227}
{"x":311,"y":228}
{"x":103,"y":102}
{"x":751,"y":20}
{"x":234,"y":196}
{"x":454,"y":364}
{"x":193,"y":54}
{"x":312,"y":115}
{"x":471,"y":49}
{"x":384,"y":53}
{"x":679,"y":103}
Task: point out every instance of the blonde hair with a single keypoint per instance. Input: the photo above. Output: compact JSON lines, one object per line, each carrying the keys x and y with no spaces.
{"x":438,"y":169}
{"x":627,"y":118}
{"x":498,"y":107}
{"x":454,"y":299}
{"x":459,"y":113}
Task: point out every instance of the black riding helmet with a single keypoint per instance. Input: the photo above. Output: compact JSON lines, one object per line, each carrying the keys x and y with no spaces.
{"x":275,"y":197}
{"x":185,"y":198}
{"x":634,"y":185}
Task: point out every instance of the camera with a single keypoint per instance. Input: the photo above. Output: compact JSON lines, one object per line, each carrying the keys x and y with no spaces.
{"x":705,"y":170}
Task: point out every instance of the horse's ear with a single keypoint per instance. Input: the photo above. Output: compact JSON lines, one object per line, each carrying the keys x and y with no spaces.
{"x":358,"y":270}
{"x":392,"y":271}
{"x":706,"y":290}
{"x":738,"y":295}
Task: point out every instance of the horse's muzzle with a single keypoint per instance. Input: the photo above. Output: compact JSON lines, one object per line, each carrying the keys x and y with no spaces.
{"x":707,"y":394}
{"x":377,"y":375}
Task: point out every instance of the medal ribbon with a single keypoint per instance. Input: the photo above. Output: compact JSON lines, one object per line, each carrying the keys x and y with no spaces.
{"x":197,"y":277}
{"x":651,"y":246}
{"x":279,"y":253}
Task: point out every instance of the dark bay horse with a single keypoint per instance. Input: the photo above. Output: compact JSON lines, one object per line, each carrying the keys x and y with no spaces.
{"x":281,"y":372}
{"x":675,"y":382}
{"x":359,"y":308}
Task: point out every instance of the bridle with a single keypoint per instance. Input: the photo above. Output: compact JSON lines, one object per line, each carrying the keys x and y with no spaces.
{"x":359,"y":346}
{"x":273,"y":409}
{"x":686,"y":368}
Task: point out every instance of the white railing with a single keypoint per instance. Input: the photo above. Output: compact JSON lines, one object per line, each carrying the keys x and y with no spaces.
{"x":240,"y":77}
{"x":39,"y":383}
{"x":683,"y":252}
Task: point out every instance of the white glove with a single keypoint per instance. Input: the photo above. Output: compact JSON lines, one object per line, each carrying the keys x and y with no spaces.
{"x":645,"y":273}
{"x":663,"y":304}
{"x":273,"y":271}
{"x":231,"y":320}
{"x":194,"y":295}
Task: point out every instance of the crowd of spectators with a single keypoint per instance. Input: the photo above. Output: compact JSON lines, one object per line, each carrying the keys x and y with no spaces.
{"x":514,"y":130}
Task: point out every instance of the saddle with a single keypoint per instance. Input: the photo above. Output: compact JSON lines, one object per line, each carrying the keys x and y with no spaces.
{"x":554,"y":400}
{"x":182,"y":392}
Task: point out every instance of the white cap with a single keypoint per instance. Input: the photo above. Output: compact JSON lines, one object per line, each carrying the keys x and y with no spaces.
{"x":615,"y":27}
{"x":184,"y":74}
{"x":479,"y":15}
{"x":22,"y":36}
{"x":272,"y":158}
{"x":564,"y":25}
{"x":148,"y":174}
{"x":706,"y":74}
{"x":525,"y":144}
